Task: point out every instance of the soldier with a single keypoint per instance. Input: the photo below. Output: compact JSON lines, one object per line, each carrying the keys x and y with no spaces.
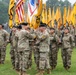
{"x":4,"y":39}
{"x":67,"y":48}
{"x":23,"y":48}
{"x":13,"y":52}
{"x":31,"y":44}
{"x":72,"y":30}
{"x":43,"y":50}
{"x":36,"y":49}
{"x":19,"y":27}
{"x":54,"y":41}
{"x":13,"y":45}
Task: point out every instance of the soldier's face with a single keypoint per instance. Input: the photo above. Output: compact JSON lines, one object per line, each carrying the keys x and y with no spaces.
{"x":14,"y":29}
{"x":66,"y":31}
{"x":52,"y":31}
{"x":42,"y":29}
{"x":26,"y":27}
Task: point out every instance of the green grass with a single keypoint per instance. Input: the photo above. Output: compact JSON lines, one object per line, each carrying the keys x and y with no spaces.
{"x":6,"y":69}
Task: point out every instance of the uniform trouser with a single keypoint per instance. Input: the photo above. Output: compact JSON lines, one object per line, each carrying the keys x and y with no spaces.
{"x":53,"y":57}
{"x":30,"y":59}
{"x":66,"y":57}
{"x":44,"y":61}
{"x":2,"y":54}
{"x":36,"y":57}
{"x":12,"y":53}
{"x":23,"y":60}
{"x":16,"y":60}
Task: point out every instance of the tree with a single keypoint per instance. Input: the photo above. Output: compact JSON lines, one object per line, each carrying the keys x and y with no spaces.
{"x":3,"y":12}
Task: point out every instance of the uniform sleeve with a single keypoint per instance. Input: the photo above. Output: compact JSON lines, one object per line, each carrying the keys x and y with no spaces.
{"x":43,"y":36}
{"x":30,"y":35}
{"x":7,"y":36}
{"x":72,"y":41}
{"x":57,"y":39}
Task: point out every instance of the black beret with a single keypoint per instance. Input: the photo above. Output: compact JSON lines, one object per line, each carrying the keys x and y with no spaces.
{"x":19,"y":27}
{"x":43,"y":25}
{"x":24,"y":24}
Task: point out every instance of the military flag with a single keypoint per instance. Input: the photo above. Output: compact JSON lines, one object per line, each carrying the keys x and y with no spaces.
{"x":32,"y":8}
{"x":36,"y":18}
{"x":20,"y":10}
{"x":68,"y":14}
{"x":11,"y":12}
{"x":65,"y":16}
{"x":49,"y":17}
{"x":58,"y":17}
{"x":53,"y":17}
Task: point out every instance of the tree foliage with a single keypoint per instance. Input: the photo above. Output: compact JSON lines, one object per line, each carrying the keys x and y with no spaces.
{"x":3,"y":12}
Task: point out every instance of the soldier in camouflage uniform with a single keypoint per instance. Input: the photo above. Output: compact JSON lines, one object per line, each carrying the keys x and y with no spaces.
{"x":14,"y":52}
{"x":67,"y":48}
{"x":31,"y":44}
{"x":4,"y":39}
{"x":43,"y":50}
{"x":54,"y":41}
{"x":36,"y":50}
{"x":72,"y":30}
{"x":23,"y":48}
{"x":13,"y":45}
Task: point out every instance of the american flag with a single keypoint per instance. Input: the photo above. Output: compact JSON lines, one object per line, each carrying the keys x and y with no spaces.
{"x":20,"y":10}
{"x":32,"y":8}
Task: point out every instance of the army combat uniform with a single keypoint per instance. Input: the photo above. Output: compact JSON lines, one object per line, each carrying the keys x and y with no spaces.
{"x":4,"y":39}
{"x":44,"y":52}
{"x":54,"y":40}
{"x":23,"y":50}
{"x":67,"y":48}
{"x":12,"y":45}
{"x":14,"y":52}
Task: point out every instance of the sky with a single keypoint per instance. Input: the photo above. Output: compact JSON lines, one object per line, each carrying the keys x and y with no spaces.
{"x":72,"y":1}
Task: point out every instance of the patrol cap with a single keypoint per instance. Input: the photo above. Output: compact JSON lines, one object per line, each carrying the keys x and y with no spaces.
{"x":43,"y":25}
{"x":24,"y":24}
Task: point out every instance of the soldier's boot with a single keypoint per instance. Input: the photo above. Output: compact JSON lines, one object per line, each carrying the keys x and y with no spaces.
{"x":48,"y":71}
{"x":41,"y":72}
{"x":25,"y":73}
{"x":67,"y":68}
{"x":20,"y":73}
{"x":53,"y":67}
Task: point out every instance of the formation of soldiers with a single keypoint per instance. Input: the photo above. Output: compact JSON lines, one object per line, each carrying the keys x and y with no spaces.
{"x":43,"y":42}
